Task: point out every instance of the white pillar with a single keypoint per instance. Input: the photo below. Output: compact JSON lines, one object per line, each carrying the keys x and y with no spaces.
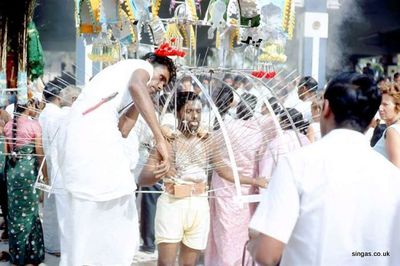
{"x":84,"y":66}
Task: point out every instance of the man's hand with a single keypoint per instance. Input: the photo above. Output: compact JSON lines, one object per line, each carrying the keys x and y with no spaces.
{"x":160,"y":170}
{"x":165,"y":164}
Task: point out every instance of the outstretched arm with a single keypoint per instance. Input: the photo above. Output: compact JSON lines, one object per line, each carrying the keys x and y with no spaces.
{"x":143,"y":103}
{"x":226,"y":172}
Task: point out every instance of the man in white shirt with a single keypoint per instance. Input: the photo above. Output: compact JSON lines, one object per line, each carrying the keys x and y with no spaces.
{"x":336,"y":201}
{"x":302,"y":99}
{"x":102,"y":223}
{"x":49,"y":122}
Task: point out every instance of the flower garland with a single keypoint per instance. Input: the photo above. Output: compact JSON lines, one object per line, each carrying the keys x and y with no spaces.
{"x":263,"y":74}
{"x":191,"y":6}
{"x":128,"y":9}
{"x":155,"y":8}
{"x":172,"y":33}
{"x":166,"y":50}
{"x":234,"y":34}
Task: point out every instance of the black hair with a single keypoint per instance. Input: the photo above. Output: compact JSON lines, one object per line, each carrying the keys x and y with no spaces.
{"x":228,"y":76}
{"x":396,"y":75}
{"x":51,"y":92}
{"x":379,"y":130}
{"x":380,"y":79}
{"x":246,"y":106}
{"x":354,"y":100}
{"x":239,"y":78}
{"x":204,"y":77}
{"x":295,"y":116}
{"x":183,"y":97}
{"x":223,"y":98}
{"x":164,"y":61}
{"x":276,"y":107}
{"x":309,"y":82}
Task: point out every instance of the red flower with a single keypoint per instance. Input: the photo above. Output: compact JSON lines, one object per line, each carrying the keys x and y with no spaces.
{"x":166,"y":50}
{"x":263,"y":74}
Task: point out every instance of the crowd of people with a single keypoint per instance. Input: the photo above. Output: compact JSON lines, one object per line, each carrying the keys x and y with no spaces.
{"x":194,"y":156}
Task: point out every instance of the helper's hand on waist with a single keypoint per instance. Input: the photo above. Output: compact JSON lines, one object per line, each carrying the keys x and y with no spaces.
{"x":161,"y":170}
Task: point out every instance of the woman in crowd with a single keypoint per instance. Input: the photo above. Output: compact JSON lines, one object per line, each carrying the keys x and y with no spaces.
{"x":389,"y":110}
{"x":314,"y":131}
{"x":290,"y":139}
{"x":230,"y":220}
{"x":23,"y":138}
{"x":4,"y":118}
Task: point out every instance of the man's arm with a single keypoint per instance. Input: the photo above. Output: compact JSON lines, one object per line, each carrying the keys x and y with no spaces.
{"x":128,"y":120}
{"x":276,"y":216}
{"x":143,"y":103}
{"x":226,"y":172}
{"x":266,"y":251}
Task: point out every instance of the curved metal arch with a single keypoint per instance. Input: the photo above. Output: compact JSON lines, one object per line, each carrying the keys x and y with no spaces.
{"x":227,"y":140}
{"x":281,"y":103}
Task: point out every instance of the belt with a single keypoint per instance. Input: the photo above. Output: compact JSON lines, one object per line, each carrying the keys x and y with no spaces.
{"x":185,"y":190}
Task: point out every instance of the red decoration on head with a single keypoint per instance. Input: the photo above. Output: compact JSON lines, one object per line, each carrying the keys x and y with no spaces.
{"x":166,"y":50}
{"x":264,"y":74}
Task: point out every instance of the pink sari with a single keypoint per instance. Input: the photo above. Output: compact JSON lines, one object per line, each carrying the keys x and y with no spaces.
{"x":229,"y":221}
{"x":282,"y":144}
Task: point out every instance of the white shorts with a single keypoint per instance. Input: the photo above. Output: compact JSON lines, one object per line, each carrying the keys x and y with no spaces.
{"x":185,"y":220}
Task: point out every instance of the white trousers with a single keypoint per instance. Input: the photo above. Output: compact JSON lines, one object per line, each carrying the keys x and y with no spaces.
{"x":100,"y":233}
{"x":50,"y":224}
{"x":62,"y":201}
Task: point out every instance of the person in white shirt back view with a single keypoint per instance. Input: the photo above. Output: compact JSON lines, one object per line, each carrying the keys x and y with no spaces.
{"x":49,"y":121}
{"x":336,"y":201}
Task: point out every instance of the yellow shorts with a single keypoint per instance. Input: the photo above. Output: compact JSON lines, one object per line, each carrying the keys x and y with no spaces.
{"x":183,"y":219}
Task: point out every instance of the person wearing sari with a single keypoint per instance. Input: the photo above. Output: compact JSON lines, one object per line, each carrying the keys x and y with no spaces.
{"x":288,"y":140}
{"x":23,"y":138}
{"x":4,"y":118}
{"x":229,"y":220}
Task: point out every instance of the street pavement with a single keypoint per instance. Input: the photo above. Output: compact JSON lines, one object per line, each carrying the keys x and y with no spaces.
{"x":141,"y":259}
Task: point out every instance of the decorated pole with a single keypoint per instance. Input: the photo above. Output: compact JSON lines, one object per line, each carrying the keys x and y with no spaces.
{"x":15,"y":69}
{"x":3,"y":61}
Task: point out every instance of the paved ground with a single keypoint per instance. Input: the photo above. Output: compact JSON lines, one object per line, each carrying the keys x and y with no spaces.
{"x":141,"y":259}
